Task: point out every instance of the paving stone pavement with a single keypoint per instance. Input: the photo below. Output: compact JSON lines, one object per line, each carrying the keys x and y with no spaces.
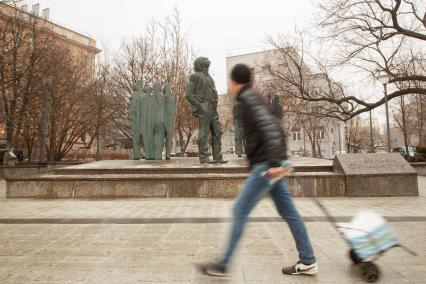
{"x":65,"y":247}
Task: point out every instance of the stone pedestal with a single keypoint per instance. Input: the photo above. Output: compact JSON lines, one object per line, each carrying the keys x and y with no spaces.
{"x":349,"y":175}
{"x":183,"y":177}
{"x":377,"y":175}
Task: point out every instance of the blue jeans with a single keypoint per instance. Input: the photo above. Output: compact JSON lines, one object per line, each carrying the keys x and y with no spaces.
{"x":255,"y":188}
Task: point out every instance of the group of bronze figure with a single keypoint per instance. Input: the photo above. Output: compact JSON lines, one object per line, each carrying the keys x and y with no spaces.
{"x":153,"y":111}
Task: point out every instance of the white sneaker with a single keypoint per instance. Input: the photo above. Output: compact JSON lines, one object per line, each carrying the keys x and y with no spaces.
{"x":300,"y":268}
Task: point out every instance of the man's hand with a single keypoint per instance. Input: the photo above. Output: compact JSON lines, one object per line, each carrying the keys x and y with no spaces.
{"x":278,"y":172}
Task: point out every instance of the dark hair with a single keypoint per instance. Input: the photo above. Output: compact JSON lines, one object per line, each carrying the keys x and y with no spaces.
{"x":241,"y":74}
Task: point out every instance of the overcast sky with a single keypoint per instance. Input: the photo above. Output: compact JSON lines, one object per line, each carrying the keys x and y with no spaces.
{"x":217,"y":28}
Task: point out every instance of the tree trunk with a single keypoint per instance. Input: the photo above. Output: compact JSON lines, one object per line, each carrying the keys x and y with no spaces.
{"x":319,"y":147}
{"x":28,"y":88}
{"x":181,"y":139}
{"x":26,"y":142}
{"x":188,"y":140}
{"x":10,"y":121}
{"x":98,"y":147}
{"x":404,"y":127}
{"x":53,"y":130}
{"x":420,"y":114}
{"x":313,"y":146}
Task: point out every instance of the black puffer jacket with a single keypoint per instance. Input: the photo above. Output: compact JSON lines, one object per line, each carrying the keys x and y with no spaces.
{"x":264,"y":135}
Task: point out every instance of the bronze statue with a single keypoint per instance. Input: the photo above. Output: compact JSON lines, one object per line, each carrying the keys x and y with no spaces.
{"x":147,"y":122}
{"x":169,"y":118}
{"x":152,"y":110}
{"x":203,"y":97}
{"x":136,"y":115}
{"x":276,"y":106}
{"x":158,"y":115}
{"x":238,"y":135}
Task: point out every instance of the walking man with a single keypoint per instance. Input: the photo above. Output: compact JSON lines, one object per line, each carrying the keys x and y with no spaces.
{"x":266,"y":151}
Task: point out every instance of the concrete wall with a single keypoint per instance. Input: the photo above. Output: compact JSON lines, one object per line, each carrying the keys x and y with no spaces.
{"x":2,"y":189}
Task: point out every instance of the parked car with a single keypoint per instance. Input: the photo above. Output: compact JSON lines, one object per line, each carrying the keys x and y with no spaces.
{"x":409,"y":156}
{"x":3,"y":150}
{"x":403,"y":150}
{"x":420,"y":154}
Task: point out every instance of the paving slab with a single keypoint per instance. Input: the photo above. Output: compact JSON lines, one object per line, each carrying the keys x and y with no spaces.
{"x":87,"y":241}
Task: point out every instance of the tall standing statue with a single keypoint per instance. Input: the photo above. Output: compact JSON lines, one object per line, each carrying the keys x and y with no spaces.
{"x":147,"y":122}
{"x":158,"y":116}
{"x":169,"y":118}
{"x":136,"y":112}
{"x":203,"y":97}
{"x":153,"y":110}
{"x":278,"y":109}
{"x":238,"y":134}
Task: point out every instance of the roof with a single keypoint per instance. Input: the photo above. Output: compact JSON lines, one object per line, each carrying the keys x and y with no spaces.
{"x":2,"y":3}
{"x":264,"y":51}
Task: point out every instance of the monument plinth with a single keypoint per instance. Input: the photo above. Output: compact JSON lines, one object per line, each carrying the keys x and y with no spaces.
{"x":181,"y":177}
{"x":377,"y":175}
{"x":349,"y":175}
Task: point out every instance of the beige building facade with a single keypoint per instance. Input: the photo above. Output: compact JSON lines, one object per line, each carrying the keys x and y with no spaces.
{"x":80,"y":45}
{"x":330,"y":132}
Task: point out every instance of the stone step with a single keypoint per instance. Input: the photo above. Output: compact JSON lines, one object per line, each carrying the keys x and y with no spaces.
{"x":213,"y":185}
{"x":176,"y":170}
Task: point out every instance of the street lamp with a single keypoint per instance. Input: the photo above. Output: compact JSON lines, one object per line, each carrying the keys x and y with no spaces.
{"x":384,"y":79}
{"x":304,"y":142}
{"x":371,"y":134}
{"x":47,"y":81}
{"x":340,"y":140}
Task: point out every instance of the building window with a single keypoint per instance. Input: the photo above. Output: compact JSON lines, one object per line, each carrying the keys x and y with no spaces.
{"x":296,"y":135}
{"x":321,"y":134}
{"x":314,"y":92}
{"x":315,"y":110}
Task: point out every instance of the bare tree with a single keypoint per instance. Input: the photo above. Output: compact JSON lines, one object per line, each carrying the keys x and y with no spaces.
{"x":409,"y":117}
{"x":378,"y":35}
{"x":24,"y":41}
{"x":70,"y":112}
{"x":404,"y":116}
{"x":369,"y":36}
{"x":103,"y":104}
{"x":419,"y":102}
{"x":176,"y":65}
{"x":136,"y":60}
{"x":353,"y":131}
{"x":162,"y":54}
